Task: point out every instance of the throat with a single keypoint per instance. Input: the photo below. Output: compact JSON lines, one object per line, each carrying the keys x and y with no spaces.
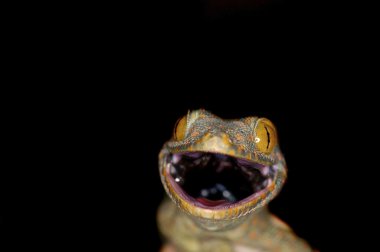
{"x":216,"y":179}
{"x":225,"y":183}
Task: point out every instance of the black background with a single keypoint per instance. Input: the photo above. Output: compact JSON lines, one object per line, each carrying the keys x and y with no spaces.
{"x":116,"y":188}
{"x":120,"y":76}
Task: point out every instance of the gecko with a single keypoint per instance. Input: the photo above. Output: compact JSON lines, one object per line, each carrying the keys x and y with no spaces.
{"x":219,"y":176}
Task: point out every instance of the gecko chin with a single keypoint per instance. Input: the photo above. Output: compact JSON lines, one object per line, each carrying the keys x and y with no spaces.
{"x":213,"y":181}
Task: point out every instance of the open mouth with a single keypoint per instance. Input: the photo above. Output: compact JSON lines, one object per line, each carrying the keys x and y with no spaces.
{"x":213,"y":180}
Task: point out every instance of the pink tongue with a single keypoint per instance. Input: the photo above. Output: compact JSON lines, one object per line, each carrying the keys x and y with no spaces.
{"x":211,"y":203}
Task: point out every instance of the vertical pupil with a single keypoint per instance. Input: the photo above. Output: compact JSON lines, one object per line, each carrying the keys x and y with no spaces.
{"x":268,"y":136}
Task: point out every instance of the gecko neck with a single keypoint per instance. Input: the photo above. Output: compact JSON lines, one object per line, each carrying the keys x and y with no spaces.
{"x":228,"y":224}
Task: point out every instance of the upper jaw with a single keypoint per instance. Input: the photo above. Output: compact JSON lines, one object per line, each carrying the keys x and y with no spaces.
{"x":221,"y":143}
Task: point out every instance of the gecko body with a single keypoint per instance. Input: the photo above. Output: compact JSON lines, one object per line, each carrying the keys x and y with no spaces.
{"x":220,"y":175}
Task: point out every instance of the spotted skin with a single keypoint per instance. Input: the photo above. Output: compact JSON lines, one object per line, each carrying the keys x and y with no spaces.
{"x":246,"y":226}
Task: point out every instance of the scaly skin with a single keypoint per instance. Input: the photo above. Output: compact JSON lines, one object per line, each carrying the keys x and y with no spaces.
{"x":246,"y":226}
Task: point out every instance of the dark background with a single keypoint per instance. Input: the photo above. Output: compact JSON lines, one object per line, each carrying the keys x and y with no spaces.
{"x":118,"y":134}
{"x":118,"y":77}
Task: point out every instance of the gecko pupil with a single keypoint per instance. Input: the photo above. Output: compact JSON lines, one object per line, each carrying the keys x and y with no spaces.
{"x":210,"y":177}
{"x":268,"y":136}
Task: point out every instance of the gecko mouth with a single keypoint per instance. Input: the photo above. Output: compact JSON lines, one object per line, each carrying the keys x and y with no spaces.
{"x":215,"y":180}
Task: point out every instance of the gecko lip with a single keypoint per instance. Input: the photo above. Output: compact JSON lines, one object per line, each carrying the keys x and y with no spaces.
{"x":213,"y":180}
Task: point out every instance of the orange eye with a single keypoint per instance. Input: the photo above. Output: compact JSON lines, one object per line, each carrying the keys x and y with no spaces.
{"x":180,"y":129}
{"x":266,"y":137}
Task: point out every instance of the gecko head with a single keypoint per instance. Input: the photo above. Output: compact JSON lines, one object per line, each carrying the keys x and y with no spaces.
{"x":219,"y":171}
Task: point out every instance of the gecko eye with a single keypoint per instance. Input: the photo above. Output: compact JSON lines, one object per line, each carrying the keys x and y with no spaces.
{"x":266,"y":137}
{"x":180,"y":129}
